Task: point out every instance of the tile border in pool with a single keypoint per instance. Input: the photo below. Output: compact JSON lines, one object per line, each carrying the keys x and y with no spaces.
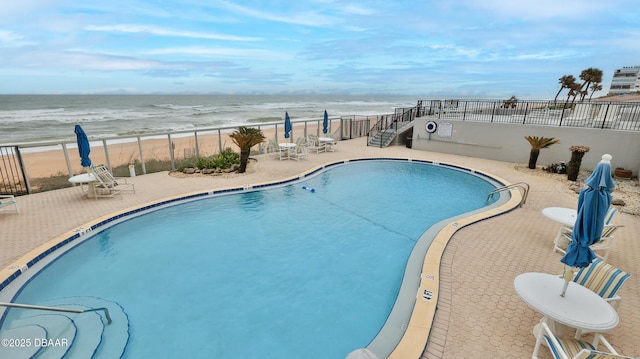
{"x":414,"y":338}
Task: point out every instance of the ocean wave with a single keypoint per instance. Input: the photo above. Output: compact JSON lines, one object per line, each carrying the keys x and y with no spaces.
{"x":264,"y":119}
{"x":40,"y":118}
{"x":171,"y":106}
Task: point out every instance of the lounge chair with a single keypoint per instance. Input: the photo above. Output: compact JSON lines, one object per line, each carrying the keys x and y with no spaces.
{"x":107,"y":185}
{"x":8,"y":203}
{"x":573,"y":348}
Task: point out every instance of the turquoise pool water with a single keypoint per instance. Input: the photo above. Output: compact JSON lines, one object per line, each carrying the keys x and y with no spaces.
{"x":279,"y":273}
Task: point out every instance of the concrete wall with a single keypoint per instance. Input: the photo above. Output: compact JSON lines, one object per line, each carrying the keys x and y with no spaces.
{"x":505,"y":142}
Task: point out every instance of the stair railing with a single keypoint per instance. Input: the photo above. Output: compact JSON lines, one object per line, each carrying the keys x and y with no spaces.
{"x":56,"y":309}
{"x":391,"y":122}
{"x":520,"y":185}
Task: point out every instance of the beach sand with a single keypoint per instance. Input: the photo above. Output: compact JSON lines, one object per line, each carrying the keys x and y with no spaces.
{"x":53,"y":163}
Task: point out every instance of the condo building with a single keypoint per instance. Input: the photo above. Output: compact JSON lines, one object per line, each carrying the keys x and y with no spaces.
{"x":625,"y":80}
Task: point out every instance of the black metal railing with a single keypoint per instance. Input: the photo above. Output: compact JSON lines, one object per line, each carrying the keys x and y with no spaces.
{"x":387,"y":126}
{"x":13,"y":179}
{"x":604,"y":115}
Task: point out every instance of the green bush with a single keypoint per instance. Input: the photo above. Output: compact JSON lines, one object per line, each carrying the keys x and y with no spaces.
{"x":224,"y":159}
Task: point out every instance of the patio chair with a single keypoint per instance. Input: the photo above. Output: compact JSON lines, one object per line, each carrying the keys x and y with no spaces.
{"x":604,"y":280}
{"x":573,"y":348}
{"x":8,"y":203}
{"x":601,"y":248}
{"x":107,"y":185}
{"x":273,"y":149}
{"x":331,"y":146}
{"x":300,"y":151}
{"x":313,"y":144}
{"x":610,"y":213}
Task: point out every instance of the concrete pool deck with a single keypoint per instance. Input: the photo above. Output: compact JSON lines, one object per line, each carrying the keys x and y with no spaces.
{"x":479,"y":314}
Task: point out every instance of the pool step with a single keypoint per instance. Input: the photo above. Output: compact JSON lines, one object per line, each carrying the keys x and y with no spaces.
{"x":14,"y":343}
{"x":81,"y":335}
{"x":60,"y":332}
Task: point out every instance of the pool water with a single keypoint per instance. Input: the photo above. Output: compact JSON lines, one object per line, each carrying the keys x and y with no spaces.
{"x":279,"y":273}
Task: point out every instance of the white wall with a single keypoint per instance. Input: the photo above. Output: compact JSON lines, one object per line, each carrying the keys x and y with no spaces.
{"x":505,"y":142}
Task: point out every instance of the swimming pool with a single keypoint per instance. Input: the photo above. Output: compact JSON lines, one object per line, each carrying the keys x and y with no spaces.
{"x":285,"y":272}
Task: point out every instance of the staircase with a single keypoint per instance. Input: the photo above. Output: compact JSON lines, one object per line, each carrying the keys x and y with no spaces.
{"x":27,"y":333}
{"x":388,"y":127}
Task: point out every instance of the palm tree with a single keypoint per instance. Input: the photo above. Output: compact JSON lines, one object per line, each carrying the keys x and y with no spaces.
{"x":565,"y":82}
{"x":538,"y":143}
{"x":589,"y":76}
{"x":594,"y":87}
{"x":574,"y":88}
{"x":245,"y":138}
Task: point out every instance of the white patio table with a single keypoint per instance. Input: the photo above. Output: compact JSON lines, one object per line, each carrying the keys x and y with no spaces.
{"x":285,"y":149}
{"x":564,"y":216}
{"x":580,"y":308}
{"x":88,"y":179}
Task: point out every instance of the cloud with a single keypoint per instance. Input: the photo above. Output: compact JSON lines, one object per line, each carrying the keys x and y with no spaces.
{"x":157,"y":31}
{"x":257,"y":54}
{"x":307,"y":18}
{"x":13,"y":39}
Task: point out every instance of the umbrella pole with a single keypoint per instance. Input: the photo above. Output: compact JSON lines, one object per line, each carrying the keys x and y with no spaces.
{"x":568,"y":276}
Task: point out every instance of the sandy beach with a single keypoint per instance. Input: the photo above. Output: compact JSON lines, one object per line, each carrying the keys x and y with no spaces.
{"x":53,"y":162}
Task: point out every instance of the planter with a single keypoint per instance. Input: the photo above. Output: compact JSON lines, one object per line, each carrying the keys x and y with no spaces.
{"x":622,"y":173}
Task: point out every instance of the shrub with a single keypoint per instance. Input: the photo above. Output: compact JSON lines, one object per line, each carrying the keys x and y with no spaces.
{"x":224,"y":159}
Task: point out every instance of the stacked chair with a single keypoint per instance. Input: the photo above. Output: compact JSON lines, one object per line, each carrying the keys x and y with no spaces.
{"x":107,"y":185}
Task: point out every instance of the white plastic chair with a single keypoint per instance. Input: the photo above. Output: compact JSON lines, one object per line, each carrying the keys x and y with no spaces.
{"x":107,"y":185}
{"x":313,"y":144}
{"x":8,"y":203}
{"x":601,"y":248}
{"x":300,"y":151}
{"x":331,"y":146}
{"x":573,"y":348}
{"x":273,"y":149}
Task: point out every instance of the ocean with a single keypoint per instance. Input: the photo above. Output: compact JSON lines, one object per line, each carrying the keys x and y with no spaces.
{"x":44,"y":118}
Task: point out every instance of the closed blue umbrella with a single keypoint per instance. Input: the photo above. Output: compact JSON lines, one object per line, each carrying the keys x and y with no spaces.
{"x":83,"y":146}
{"x":325,"y":122}
{"x":593,"y":204}
{"x":287,"y":125}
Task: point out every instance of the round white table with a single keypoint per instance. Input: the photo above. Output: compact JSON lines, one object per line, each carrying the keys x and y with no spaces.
{"x":326,"y":143}
{"x":580,"y":308}
{"x":285,"y":149}
{"x":566,"y":216}
{"x":86,"y":178}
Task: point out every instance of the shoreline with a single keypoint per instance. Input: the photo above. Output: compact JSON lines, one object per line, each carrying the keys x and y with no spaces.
{"x":49,"y":163}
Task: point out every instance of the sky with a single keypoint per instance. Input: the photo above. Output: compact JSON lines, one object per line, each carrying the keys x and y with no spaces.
{"x":462,"y":48}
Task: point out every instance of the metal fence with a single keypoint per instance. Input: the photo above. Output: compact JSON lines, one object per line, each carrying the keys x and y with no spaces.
{"x":13,"y":179}
{"x":32,"y":167}
{"x":604,"y":115}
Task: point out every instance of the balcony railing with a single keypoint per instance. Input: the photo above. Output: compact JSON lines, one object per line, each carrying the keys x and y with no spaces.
{"x":604,"y":115}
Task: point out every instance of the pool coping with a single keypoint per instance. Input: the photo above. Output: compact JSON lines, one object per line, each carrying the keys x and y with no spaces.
{"x":413,"y":340}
